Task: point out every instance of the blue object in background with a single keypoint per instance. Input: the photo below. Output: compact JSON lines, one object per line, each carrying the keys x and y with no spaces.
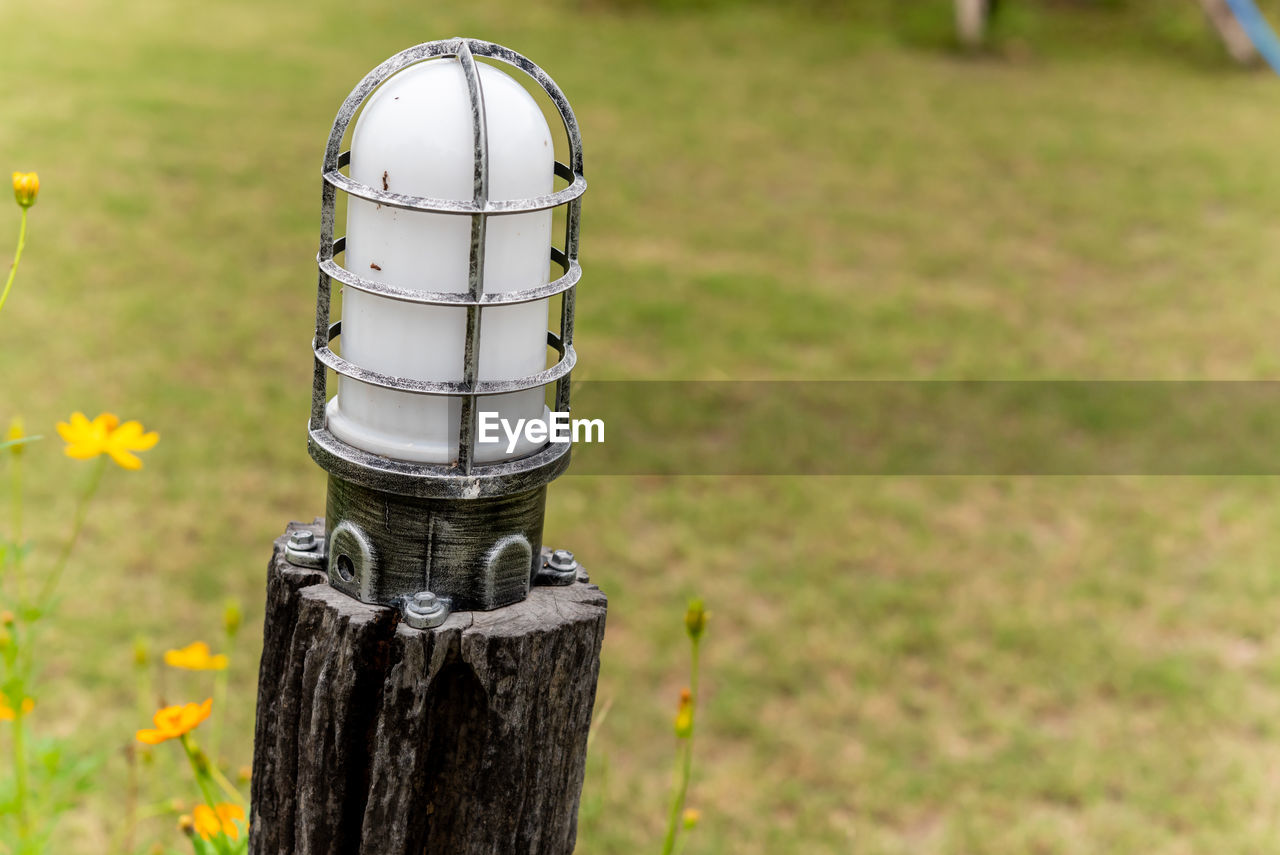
{"x":1258,"y":30}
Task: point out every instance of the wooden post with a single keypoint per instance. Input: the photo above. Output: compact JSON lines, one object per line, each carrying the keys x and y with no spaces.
{"x":374,"y":737}
{"x":1233,"y":36}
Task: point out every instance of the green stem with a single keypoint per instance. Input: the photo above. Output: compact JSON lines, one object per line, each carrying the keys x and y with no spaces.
{"x":77,"y":525}
{"x":681,"y":842}
{"x":220,"y":680}
{"x":227,"y":787}
{"x":146,"y":692}
{"x":598,"y":723}
{"x":20,"y":772}
{"x":15,"y":488}
{"x":17,"y":256}
{"x":219,"y":703}
{"x":676,"y":818}
{"x":200,"y":766}
{"x":118,"y":843}
{"x":15,"y":496}
{"x":133,"y":791}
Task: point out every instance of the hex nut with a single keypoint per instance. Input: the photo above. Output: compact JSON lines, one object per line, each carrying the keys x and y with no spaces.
{"x":425,"y":610}
{"x":559,"y":567}
{"x":304,"y":549}
{"x":562,"y":560}
{"x":303,"y":540}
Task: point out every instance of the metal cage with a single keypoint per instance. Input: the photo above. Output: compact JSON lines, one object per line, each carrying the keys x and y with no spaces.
{"x":433,"y":486}
{"x":436,"y":479}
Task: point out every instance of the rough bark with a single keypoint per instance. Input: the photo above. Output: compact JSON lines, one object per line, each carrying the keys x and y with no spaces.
{"x":374,"y":737}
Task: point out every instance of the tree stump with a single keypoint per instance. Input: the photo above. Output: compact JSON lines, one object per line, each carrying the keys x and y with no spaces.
{"x":374,"y":737}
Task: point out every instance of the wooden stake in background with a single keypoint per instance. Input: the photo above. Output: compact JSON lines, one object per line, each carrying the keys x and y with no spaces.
{"x":1233,"y":36}
{"x":971,"y":22}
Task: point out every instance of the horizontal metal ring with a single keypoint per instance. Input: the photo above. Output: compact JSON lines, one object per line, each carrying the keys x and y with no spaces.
{"x":553,"y":340}
{"x":560,"y":169}
{"x":436,"y":480}
{"x":426,"y":204}
{"x":573,"y":273}
{"x":568,"y":357}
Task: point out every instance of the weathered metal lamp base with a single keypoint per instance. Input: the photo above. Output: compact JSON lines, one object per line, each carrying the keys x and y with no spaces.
{"x":396,"y":532}
{"x":431,"y":557}
{"x":385,"y":548}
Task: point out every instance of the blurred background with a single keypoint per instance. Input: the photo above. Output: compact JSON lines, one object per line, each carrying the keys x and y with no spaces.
{"x":779,"y":191}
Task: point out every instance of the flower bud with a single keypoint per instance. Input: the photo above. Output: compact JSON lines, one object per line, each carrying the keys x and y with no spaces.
{"x":26,"y":186}
{"x":187,"y":825}
{"x":14,"y":434}
{"x":695,"y":619}
{"x":691,"y":817}
{"x":141,"y":652}
{"x":684,"y":715}
{"x":245,"y":774}
{"x":232,"y":617}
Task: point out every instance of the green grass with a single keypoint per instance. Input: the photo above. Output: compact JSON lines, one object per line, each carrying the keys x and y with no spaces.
{"x":894,"y":665}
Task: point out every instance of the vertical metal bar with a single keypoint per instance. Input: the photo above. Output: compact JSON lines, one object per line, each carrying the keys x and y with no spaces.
{"x":568,"y":299}
{"x":572,"y":229}
{"x":319,"y":380}
{"x":475,"y":272}
{"x":574,"y":134}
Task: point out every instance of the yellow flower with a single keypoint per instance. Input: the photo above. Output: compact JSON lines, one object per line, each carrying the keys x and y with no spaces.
{"x":209,"y":822}
{"x":691,"y":817}
{"x":175,"y":721}
{"x":105,"y":435}
{"x":26,"y":186}
{"x":195,"y":657}
{"x":684,"y":715}
{"x":7,"y":712}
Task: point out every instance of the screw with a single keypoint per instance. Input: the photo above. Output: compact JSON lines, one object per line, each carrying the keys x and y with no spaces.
{"x":562,"y":560}
{"x":303,"y":541}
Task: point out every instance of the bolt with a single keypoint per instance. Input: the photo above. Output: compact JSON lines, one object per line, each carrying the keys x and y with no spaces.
{"x":303,"y":541}
{"x":562,"y":560}
{"x":425,"y":610}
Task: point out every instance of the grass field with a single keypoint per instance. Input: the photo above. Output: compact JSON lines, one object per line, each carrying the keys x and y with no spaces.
{"x":895,"y":665}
